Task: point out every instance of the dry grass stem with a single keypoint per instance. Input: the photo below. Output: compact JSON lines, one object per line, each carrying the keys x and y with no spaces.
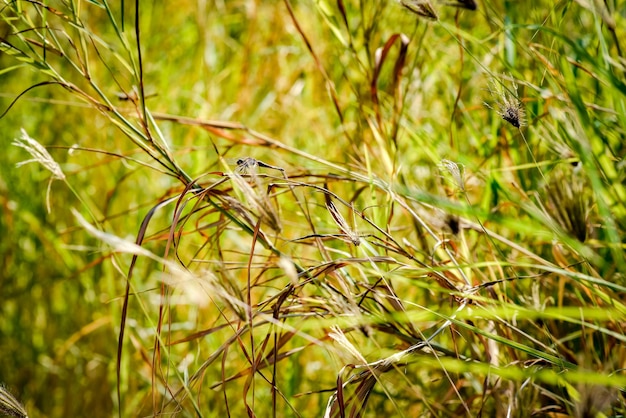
{"x":392,"y":248}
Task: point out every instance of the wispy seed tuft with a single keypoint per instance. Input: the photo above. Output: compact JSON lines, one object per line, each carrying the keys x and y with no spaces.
{"x":40,"y":155}
{"x":455,"y":170}
{"x":507,"y":105}
{"x":567,"y":201}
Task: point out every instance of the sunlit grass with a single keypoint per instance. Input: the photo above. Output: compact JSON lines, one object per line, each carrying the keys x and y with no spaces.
{"x":304,"y":208}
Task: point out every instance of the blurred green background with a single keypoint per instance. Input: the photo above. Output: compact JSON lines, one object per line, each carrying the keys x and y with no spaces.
{"x":246,"y":62}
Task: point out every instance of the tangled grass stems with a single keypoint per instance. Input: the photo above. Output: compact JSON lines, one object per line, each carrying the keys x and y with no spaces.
{"x":244,"y":291}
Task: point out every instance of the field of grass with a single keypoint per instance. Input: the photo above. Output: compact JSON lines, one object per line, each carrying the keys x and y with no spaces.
{"x":309,"y":208}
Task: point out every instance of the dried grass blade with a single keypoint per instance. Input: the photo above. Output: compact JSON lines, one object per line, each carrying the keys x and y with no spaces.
{"x":262,"y":365}
{"x":156,"y":355}
{"x":422,"y":8}
{"x":381,"y":55}
{"x":340,"y":220}
{"x":14,"y":101}
{"x":340,"y":402}
{"x":355,"y":404}
{"x":344,"y":15}
{"x":138,"y":241}
{"x":330,"y":85}
{"x":198,"y":334}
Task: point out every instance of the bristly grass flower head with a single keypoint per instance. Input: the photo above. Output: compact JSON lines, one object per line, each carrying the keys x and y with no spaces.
{"x":567,"y":201}
{"x":457,"y":171}
{"x":506,"y":103}
{"x":10,"y":406}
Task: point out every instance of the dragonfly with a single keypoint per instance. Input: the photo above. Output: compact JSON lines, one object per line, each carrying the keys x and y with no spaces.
{"x":249,"y":164}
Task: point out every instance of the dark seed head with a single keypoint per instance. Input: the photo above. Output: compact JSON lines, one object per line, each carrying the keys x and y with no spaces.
{"x":506,"y":104}
{"x":469,"y":4}
{"x":453,"y":223}
{"x":512,"y":115}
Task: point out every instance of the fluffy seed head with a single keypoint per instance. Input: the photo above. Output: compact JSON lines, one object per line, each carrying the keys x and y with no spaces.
{"x":456,"y":171}
{"x":507,"y":105}
{"x":40,"y":155}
